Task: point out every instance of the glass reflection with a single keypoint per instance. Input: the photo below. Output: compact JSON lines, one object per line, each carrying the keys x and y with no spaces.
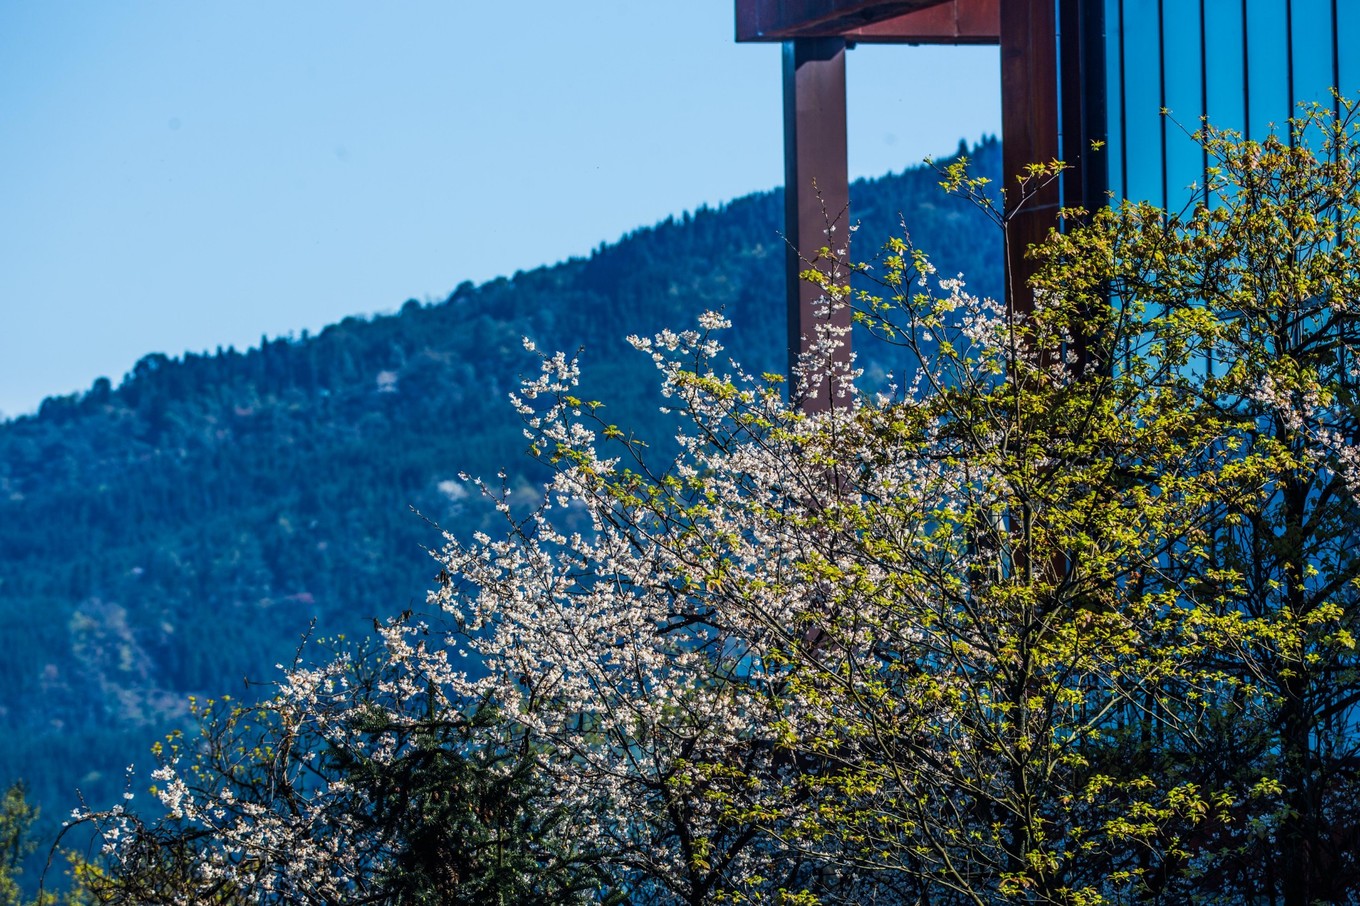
{"x":1114,"y":98}
{"x":1143,"y":101}
{"x":1267,"y":66}
{"x":1223,"y":65}
{"x":1312,"y":36}
{"x":1184,"y":100}
{"x":1348,"y":40}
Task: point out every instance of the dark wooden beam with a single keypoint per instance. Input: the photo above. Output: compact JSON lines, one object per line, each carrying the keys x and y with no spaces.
{"x":954,"y":22}
{"x":781,"y":20}
{"x":816,"y":191}
{"x":1029,"y":133}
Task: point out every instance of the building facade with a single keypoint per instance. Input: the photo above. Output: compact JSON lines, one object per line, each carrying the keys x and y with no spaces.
{"x":1084,"y":81}
{"x":1243,"y":64}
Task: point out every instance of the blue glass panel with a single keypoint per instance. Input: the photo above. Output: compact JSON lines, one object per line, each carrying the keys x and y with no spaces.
{"x":1185,"y":100}
{"x":1143,"y":101}
{"x":1114,"y":90}
{"x":1268,"y":66}
{"x":1313,"y":30}
{"x":1223,"y":65}
{"x":1348,"y":43}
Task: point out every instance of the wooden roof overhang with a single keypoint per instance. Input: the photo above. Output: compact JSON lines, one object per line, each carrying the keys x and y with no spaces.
{"x":871,"y":21}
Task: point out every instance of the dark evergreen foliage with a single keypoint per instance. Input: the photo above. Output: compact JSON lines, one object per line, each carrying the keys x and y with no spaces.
{"x":174,"y":534}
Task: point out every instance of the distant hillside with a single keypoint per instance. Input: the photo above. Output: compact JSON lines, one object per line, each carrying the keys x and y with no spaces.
{"x":176,"y":533}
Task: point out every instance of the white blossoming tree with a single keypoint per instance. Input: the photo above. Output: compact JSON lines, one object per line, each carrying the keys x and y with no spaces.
{"x":359,"y":781}
{"x":1066,"y":617}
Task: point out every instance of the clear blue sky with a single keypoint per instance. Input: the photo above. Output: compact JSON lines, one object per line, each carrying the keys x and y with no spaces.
{"x":175,"y":175}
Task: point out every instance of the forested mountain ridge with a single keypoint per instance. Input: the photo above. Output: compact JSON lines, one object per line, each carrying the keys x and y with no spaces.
{"x":176,"y":533}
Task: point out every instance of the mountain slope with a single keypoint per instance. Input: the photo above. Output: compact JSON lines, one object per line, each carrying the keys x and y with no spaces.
{"x":177,"y":533}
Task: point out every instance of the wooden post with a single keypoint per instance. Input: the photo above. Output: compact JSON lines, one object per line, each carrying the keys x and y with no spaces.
{"x":1029,"y":132}
{"x":816,"y":193}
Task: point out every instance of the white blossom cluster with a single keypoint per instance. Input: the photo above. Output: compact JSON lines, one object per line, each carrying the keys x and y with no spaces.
{"x":636,"y":628}
{"x":851,"y":656}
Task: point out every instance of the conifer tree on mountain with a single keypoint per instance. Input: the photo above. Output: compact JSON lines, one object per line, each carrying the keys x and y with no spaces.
{"x":1013,"y":630}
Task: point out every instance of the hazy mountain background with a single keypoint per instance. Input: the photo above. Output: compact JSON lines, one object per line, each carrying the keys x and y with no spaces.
{"x":176,"y":532}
